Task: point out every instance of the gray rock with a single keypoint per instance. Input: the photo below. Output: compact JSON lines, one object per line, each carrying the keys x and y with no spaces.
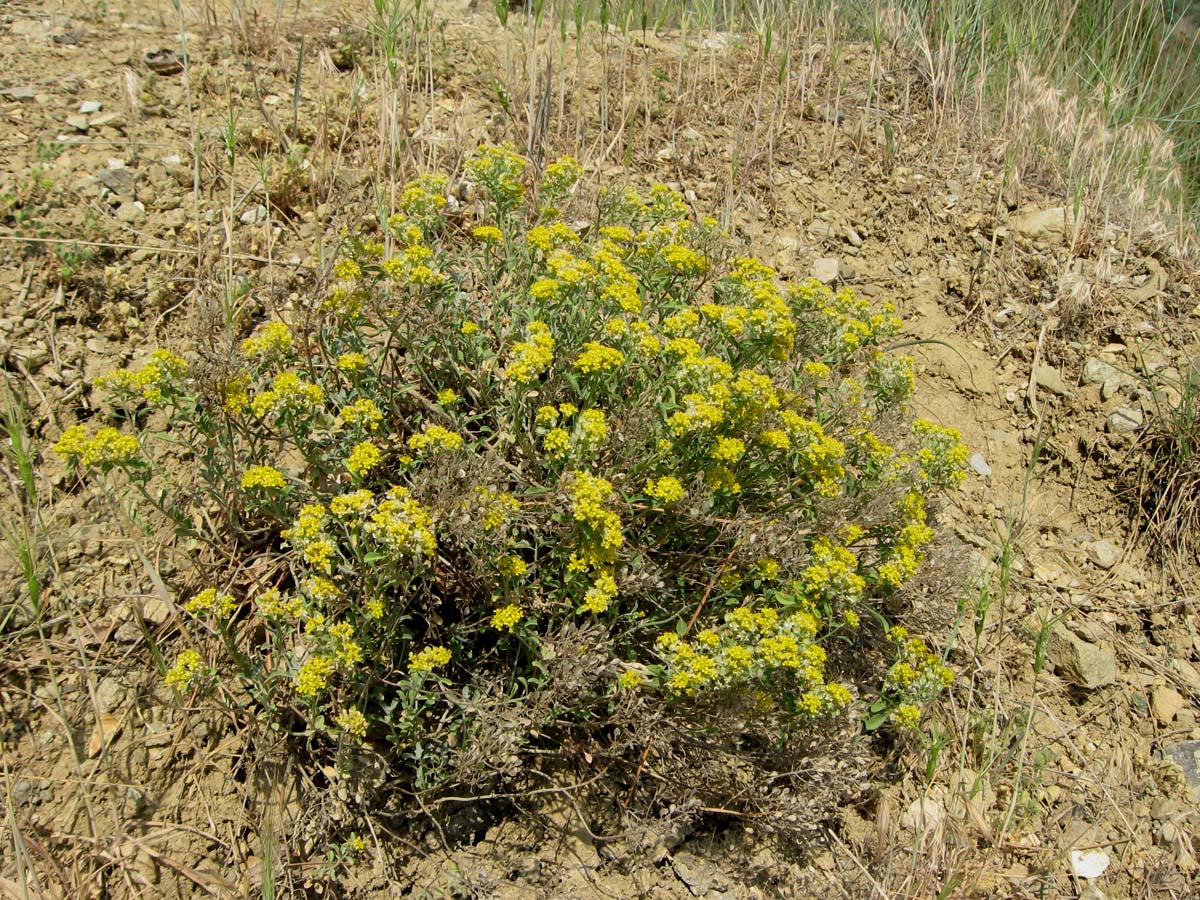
{"x":853,"y":236}
{"x":115,"y":119}
{"x":1126,"y":419}
{"x":131,"y":213}
{"x":119,"y":181}
{"x":979,"y":465}
{"x":87,"y":107}
{"x":1048,"y":377}
{"x":1110,"y":388}
{"x":254,"y":215}
{"x":826,"y":269}
{"x":1097,"y":371}
{"x":1081,"y":662}
{"x":1105,"y":554}
{"x":79,"y":123}
{"x":19,"y":92}
{"x":1187,"y":756}
{"x":109,"y":694}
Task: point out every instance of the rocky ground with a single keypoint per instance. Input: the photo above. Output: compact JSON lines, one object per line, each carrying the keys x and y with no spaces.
{"x":1069,"y":755}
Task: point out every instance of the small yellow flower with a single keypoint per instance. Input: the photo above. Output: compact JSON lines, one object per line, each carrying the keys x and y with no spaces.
{"x":186,"y":668}
{"x":597,"y":357}
{"x":364,"y":456}
{"x":264,"y":477}
{"x":629,"y":679}
{"x":435,"y":436}
{"x":428,"y":659}
{"x":313,"y":676}
{"x":488,"y":234}
{"x":354,"y":723}
{"x":468,"y":327}
{"x":347,"y":269}
{"x":352,"y":362}
{"x":667,"y":489}
{"x":506,"y":617}
{"x":513,"y":565}
{"x":362,"y":412}
{"x":447,"y":397}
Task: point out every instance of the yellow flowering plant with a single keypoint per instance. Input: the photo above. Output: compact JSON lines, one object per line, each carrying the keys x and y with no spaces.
{"x":572,"y":470}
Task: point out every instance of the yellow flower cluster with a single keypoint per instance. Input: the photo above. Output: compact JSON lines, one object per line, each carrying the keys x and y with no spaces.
{"x":288,"y":393}
{"x":917,"y":675}
{"x":272,"y":339}
{"x":588,"y":495}
{"x":435,"y":437}
{"x":506,"y":617}
{"x":548,"y":238}
{"x":901,"y":559}
{"x":352,"y":362}
{"x":163,"y":371}
{"x":512,"y":565}
{"x":942,"y":456}
{"x":210,"y":602}
{"x":530,"y":358}
{"x":832,"y":574}
{"x":667,"y":490}
{"x":751,"y":646}
{"x":403,"y":524}
{"x":600,"y":594}
{"x":108,"y":448}
{"x":498,"y":170}
{"x":263,"y":478}
{"x":822,"y":454}
{"x":362,"y":412}
{"x":845,"y":319}
{"x":497,"y":507}
{"x":428,"y":659}
{"x":187,"y":666}
{"x":560,"y":176}
{"x":313,"y":676}
{"x":364,"y":456}
{"x":352,"y":721}
{"x":425,"y":197}
{"x":488,"y":234}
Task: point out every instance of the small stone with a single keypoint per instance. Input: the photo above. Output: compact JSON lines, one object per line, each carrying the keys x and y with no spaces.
{"x":254,"y":215}
{"x":1110,"y":388}
{"x":1187,"y":757}
{"x":923,"y":814}
{"x":155,"y":611}
{"x":87,"y":107}
{"x":1105,"y":554}
{"x":1166,"y":704}
{"x":1084,"y":664}
{"x":1097,"y":371}
{"x":109,"y":693}
{"x":853,"y":236}
{"x":979,"y":465}
{"x":100,"y":120}
{"x":1045,"y":223}
{"x":79,"y":123}
{"x":131,"y":212}
{"x":826,"y":269}
{"x":20,"y":92}
{"x":1126,"y":420}
{"x":1048,"y":377}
